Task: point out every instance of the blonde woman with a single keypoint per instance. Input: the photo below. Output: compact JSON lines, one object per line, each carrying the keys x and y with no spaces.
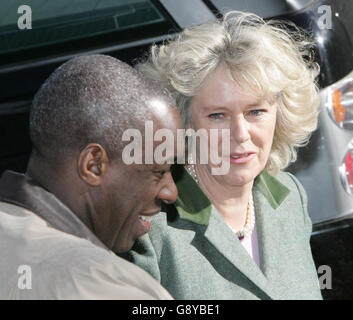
{"x":245,"y":234}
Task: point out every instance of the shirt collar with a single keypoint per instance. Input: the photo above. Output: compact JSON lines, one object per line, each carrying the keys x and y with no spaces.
{"x":193,"y":205}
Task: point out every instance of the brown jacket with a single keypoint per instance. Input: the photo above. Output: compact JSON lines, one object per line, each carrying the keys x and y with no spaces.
{"x":48,"y":253}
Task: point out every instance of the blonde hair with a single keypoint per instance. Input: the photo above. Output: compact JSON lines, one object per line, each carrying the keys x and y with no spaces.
{"x":272,"y":58}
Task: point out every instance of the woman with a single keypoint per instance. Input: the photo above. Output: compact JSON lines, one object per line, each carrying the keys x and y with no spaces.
{"x":244,"y":234}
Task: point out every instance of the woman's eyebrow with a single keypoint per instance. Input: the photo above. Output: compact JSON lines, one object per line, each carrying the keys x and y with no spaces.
{"x":215,"y":106}
{"x":251,"y":105}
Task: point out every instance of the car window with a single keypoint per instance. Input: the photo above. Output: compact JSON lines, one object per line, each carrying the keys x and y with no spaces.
{"x":67,"y":21}
{"x":264,"y":8}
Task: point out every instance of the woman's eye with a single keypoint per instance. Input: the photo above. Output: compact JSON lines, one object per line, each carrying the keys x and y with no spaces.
{"x":257,"y":112}
{"x":216,"y":115}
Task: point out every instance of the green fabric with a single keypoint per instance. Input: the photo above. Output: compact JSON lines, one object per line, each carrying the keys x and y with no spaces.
{"x":196,"y":206}
{"x":274,"y":191}
{"x":194,"y":254}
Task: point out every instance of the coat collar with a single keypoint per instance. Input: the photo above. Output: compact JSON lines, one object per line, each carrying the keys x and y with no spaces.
{"x":18,"y":189}
{"x":195,"y":206}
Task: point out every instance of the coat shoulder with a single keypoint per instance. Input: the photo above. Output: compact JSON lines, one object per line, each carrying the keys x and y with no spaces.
{"x":69,"y":267}
{"x":288,"y":179}
{"x":293,"y":184}
{"x":297,"y":201}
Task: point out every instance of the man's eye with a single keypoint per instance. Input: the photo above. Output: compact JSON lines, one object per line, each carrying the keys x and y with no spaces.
{"x":218,"y":115}
{"x":160,"y":172}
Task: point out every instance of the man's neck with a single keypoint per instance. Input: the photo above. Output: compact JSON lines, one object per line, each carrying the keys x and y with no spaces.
{"x":62,"y":184}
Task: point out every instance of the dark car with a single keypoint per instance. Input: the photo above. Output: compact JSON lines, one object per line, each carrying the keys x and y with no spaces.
{"x":38,"y":37}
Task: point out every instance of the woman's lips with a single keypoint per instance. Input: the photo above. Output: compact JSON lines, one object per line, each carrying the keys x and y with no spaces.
{"x":241,"y":158}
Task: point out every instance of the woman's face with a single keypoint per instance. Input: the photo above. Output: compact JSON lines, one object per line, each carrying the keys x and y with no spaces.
{"x":222,"y":104}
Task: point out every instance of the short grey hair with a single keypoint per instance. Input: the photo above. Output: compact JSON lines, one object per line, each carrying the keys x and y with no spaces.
{"x":271,"y":58}
{"x":90,"y":99}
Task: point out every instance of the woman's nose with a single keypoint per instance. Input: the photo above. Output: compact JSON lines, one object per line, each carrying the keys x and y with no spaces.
{"x":240,"y":130}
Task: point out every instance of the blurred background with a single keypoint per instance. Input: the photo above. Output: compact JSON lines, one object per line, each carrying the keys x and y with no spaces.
{"x":37,"y":36}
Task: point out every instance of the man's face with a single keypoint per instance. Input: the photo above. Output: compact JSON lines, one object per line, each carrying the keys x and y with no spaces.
{"x":132,"y":194}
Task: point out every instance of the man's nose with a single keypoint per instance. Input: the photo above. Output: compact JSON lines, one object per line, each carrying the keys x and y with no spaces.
{"x":240,"y":129}
{"x":169,"y":192}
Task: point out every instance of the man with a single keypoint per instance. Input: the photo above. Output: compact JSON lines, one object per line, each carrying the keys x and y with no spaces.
{"x":62,"y":223}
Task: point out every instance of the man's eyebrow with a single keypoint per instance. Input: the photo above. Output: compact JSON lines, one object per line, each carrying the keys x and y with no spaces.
{"x":179,"y":159}
{"x":145,"y":167}
{"x":171,"y":161}
{"x":174,"y":159}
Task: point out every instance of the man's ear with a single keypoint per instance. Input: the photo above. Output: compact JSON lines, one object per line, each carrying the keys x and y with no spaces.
{"x":92,"y":164}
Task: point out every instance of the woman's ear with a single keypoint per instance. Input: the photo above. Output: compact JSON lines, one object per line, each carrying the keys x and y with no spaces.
{"x":92,"y":164}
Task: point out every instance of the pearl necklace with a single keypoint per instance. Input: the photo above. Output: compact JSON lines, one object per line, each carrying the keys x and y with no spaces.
{"x":248,"y":228}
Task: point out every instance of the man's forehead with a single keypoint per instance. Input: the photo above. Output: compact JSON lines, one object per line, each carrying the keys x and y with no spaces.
{"x":158,"y":140}
{"x":159,"y":106}
{"x":165,"y":114}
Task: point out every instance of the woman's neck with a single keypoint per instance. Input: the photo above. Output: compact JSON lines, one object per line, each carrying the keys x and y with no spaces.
{"x":230,"y":200}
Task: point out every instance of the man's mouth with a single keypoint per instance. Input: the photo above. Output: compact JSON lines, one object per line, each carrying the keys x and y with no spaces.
{"x":145,"y":221}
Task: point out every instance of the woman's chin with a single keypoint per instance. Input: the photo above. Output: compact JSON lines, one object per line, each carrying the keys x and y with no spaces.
{"x":238,"y":178}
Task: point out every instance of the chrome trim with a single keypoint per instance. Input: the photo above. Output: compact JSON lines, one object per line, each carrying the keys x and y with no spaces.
{"x":42,"y":62}
{"x":183,"y":12}
{"x":342,"y":169}
{"x":14,"y":107}
{"x":265,"y":9}
{"x":314,"y":233}
{"x":337,"y":142}
{"x":333,"y":224}
{"x":344,"y":82}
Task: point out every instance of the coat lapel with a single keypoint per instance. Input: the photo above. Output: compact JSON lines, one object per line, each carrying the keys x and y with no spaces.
{"x":268,"y":194}
{"x":223,"y":239}
{"x":268,"y":227}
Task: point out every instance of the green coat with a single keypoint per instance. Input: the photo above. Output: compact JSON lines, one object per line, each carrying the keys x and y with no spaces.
{"x":194,"y":254}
